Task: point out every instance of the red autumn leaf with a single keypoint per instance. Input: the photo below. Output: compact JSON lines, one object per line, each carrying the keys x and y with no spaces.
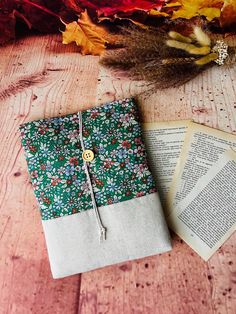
{"x":73,"y":5}
{"x":7,"y":20}
{"x":7,"y":27}
{"x":109,"y":8}
{"x":42,"y":14}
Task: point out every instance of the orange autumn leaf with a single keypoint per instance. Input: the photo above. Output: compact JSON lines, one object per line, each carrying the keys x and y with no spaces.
{"x":154,"y":12}
{"x":209,"y":8}
{"x":173,"y":4}
{"x":90,"y":37}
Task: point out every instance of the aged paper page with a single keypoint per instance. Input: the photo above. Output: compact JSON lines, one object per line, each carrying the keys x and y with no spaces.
{"x":164,"y":141}
{"x":202,"y":148}
{"x":206,"y":217}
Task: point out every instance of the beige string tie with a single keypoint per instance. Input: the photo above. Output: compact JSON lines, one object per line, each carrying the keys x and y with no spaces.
{"x":88,"y":156}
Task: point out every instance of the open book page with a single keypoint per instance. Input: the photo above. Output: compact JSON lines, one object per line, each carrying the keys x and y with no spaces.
{"x":164,"y":141}
{"x":206,"y":217}
{"x":202,"y":148}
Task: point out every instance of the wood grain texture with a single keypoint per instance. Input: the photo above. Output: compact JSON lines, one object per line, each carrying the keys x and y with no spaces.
{"x":178,"y":282}
{"x":42,"y":78}
{"x":39,"y":78}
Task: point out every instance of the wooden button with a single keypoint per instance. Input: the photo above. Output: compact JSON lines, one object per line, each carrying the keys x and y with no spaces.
{"x":88,"y":155}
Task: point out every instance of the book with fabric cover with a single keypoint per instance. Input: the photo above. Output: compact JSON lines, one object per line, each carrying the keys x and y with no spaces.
{"x":97,"y":197}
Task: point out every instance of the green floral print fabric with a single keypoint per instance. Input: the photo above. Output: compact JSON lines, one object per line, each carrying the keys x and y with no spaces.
{"x":119,"y":171}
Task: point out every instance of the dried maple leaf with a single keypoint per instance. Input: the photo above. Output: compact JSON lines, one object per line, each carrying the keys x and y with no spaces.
{"x":88,"y":36}
{"x":110,"y":8}
{"x":209,"y":8}
{"x":228,"y":14}
{"x":154,"y":12}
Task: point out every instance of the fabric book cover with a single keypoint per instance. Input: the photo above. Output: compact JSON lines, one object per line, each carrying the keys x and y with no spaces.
{"x":97,"y":198}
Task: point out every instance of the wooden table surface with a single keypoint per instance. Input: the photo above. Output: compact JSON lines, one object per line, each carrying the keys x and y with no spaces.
{"x":42,"y":78}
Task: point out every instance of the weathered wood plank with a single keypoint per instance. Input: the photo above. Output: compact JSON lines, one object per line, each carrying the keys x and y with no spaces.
{"x":177,"y":282}
{"x":39,"y":78}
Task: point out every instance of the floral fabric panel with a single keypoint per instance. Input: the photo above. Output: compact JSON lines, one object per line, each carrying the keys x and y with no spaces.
{"x":119,"y":171}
